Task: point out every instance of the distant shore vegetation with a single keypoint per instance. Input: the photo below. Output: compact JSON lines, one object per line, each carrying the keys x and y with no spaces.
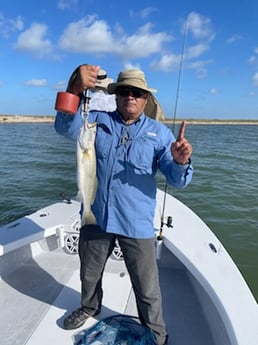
{"x":51,"y":118}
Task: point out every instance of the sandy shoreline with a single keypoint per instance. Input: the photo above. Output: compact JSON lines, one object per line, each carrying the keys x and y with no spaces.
{"x":51,"y":119}
{"x":213,"y":122}
{"x":26,"y":119}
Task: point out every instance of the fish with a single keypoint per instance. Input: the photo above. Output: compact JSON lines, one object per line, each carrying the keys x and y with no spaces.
{"x":86,"y":170}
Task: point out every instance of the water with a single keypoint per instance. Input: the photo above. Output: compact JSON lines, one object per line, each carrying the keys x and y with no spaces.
{"x":36,"y":165}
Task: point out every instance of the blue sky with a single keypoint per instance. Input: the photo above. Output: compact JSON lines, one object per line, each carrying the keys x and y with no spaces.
{"x":42,"y":42}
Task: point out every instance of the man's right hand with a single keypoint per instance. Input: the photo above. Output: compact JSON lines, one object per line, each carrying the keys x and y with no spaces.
{"x":84,"y":77}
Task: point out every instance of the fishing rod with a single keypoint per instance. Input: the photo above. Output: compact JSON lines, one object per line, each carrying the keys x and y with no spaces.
{"x":180,"y":75}
{"x":169,"y":219}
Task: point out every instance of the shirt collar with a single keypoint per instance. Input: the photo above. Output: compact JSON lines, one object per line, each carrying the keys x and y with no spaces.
{"x":120,"y":118}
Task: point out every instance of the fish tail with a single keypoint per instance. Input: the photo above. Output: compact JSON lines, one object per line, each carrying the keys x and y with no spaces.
{"x":88,"y":218}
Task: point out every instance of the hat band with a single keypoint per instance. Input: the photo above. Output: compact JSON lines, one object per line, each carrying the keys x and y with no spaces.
{"x":101,"y":77}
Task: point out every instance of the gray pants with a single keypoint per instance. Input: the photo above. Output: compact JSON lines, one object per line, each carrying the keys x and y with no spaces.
{"x":95,"y":246}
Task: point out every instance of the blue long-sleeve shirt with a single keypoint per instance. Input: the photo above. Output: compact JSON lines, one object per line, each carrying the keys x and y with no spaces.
{"x":128,"y":157}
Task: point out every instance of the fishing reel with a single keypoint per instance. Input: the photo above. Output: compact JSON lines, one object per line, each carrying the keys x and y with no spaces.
{"x":168,"y":223}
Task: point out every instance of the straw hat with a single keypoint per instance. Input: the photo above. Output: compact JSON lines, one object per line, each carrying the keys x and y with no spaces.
{"x":136,"y":78}
{"x":103,"y":81}
{"x":130,"y":77}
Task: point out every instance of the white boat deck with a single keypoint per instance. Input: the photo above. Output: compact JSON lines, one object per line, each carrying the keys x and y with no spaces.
{"x":38,"y":295}
{"x":69,"y":299}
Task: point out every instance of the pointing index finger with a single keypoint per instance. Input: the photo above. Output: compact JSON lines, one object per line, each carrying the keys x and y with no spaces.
{"x":181,"y":133}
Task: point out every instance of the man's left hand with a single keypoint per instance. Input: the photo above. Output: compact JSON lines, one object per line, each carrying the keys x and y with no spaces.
{"x":181,"y":149}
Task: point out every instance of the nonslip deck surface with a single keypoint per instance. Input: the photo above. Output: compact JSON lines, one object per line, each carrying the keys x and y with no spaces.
{"x":36,"y":306}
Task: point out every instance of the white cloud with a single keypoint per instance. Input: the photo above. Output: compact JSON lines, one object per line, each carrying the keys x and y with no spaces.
{"x":200,"y":67}
{"x":171,"y":62}
{"x":167,"y":62}
{"x":144,"y":43}
{"x":252,"y":60}
{"x":201,"y":29}
{"x":198,"y":64}
{"x":255,"y":79}
{"x":8,"y":25}
{"x":201,"y":73}
{"x":200,"y":26}
{"x":33,"y":40}
{"x":60,"y":85}
{"x":36,"y":82}
{"x":213,"y":91}
{"x":129,"y":65}
{"x":234,"y":38}
{"x":143,"y":13}
{"x":16,"y":24}
{"x":89,"y":35}
{"x":66,"y":4}
{"x":196,"y":50}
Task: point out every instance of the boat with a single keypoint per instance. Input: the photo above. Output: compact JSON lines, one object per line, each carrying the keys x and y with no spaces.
{"x":206,"y":299}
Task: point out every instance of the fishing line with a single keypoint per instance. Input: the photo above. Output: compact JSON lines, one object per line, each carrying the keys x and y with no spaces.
{"x":169,"y":222}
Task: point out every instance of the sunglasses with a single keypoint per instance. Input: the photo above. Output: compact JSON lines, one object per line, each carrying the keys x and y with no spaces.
{"x":125,"y":91}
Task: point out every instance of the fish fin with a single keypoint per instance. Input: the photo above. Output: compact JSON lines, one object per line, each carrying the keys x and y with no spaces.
{"x":79,"y":196}
{"x":91,"y":124}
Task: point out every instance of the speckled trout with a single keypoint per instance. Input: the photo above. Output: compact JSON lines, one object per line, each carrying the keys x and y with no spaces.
{"x":86,"y":170}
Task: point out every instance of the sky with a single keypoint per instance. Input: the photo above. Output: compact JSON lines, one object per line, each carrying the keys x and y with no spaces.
{"x":201,"y":56}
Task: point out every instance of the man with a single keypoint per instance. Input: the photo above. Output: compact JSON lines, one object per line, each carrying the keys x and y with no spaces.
{"x":130,"y":148}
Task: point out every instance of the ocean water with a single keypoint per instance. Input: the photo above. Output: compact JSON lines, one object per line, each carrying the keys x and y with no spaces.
{"x":37,"y":164}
